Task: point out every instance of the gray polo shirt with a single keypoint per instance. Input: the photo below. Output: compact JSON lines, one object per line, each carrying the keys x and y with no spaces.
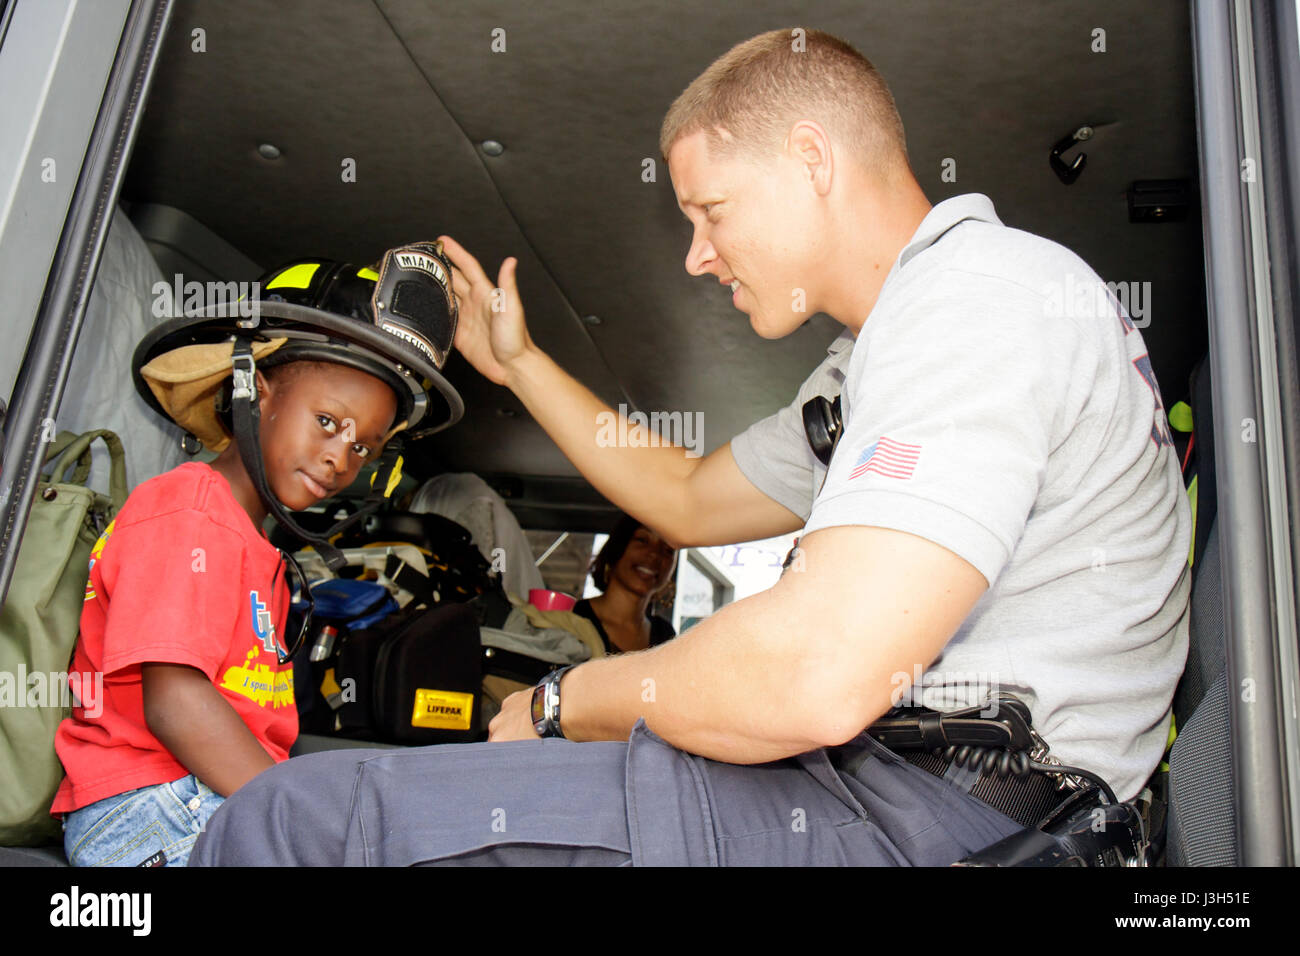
{"x":999,"y":402}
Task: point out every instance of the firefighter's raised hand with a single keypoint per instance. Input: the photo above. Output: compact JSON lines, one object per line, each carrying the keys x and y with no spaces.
{"x":490,"y":332}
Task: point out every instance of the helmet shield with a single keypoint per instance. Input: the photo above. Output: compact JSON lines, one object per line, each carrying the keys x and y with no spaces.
{"x":407,"y":304}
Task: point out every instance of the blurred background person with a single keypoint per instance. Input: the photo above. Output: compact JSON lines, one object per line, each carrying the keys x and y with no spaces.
{"x":634,"y":567}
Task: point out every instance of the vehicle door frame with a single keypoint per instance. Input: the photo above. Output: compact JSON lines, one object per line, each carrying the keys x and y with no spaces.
{"x":53,"y":40}
{"x":1247,"y":67}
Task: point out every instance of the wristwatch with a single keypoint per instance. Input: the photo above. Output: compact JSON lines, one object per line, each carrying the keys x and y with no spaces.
{"x":546,"y":704}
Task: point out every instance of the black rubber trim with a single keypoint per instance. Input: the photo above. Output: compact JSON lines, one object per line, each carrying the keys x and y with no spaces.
{"x":6,"y":15}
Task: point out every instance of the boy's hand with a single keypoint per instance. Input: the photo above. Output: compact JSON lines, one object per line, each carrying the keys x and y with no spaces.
{"x":491,"y":331}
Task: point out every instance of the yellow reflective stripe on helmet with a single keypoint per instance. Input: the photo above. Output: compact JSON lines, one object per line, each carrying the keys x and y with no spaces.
{"x":394,"y":478}
{"x":368,"y":274}
{"x":295,"y":277}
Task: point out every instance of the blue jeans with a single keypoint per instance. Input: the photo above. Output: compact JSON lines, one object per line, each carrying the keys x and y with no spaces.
{"x":151,"y":826}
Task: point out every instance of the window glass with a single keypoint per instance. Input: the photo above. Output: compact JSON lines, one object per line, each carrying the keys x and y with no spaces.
{"x":565,"y":568}
{"x":708,"y":579}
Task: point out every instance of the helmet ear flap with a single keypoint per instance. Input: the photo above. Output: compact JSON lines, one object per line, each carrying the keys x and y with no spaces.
{"x":223,"y":407}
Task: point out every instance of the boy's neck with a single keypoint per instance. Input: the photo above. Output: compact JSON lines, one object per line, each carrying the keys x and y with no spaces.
{"x":230,"y":466}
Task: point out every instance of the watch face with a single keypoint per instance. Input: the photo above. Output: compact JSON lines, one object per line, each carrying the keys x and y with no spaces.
{"x":538,"y":712}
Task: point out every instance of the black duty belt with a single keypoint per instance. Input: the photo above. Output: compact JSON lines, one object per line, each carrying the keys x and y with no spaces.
{"x":995,"y":742}
{"x":1026,"y":799}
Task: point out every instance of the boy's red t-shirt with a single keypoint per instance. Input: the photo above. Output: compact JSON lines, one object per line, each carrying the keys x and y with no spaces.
{"x":181,"y":576}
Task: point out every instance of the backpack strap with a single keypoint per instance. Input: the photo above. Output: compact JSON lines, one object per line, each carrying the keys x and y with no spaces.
{"x":70,"y":449}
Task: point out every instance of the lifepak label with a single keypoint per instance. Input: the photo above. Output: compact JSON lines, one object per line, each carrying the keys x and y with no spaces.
{"x":425,"y":263}
{"x":442,"y":709}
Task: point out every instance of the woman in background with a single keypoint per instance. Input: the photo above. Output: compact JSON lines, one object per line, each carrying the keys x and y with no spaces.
{"x":634,"y":565}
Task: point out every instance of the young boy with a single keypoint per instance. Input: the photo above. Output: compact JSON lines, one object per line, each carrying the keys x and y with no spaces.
{"x":187,"y":601}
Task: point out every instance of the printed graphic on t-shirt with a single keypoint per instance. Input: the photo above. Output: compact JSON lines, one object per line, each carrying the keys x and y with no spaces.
{"x":95,"y":553}
{"x":1160,"y":427}
{"x":259,"y":683}
{"x":263,"y":626}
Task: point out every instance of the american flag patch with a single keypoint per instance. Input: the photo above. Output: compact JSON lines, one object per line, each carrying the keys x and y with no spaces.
{"x":884,"y":456}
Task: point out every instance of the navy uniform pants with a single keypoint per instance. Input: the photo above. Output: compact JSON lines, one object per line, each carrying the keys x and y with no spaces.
{"x":556,"y":802}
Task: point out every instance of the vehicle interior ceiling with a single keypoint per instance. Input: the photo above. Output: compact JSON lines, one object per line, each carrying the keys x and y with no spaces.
{"x":410,"y":91}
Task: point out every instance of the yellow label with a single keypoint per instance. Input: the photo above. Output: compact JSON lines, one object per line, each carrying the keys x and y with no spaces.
{"x":442,"y":709}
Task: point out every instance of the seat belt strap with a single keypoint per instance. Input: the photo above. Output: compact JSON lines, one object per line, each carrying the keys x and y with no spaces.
{"x":245,"y":417}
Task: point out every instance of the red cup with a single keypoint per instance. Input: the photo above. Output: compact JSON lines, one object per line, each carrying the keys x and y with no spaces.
{"x":551,"y":600}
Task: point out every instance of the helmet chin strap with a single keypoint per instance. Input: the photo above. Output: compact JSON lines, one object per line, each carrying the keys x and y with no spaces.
{"x":246,"y":414}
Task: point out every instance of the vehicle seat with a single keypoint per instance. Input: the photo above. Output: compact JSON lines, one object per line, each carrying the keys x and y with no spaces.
{"x":99,"y":392}
{"x":1202,"y":814}
{"x":32,"y":856}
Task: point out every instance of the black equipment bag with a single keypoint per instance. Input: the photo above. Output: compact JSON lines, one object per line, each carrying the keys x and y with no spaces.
{"x":340,"y":607}
{"x":415,"y":677}
{"x":457,"y":570}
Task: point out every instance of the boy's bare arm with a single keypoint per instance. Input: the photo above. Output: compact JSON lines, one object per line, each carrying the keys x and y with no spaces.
{"x":204,"y":733}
